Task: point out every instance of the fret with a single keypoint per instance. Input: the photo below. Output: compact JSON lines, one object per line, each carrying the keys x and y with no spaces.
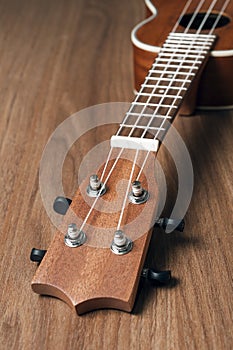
{"x":169,"y":79}
{"x":135,"y":126}
{"x":178,"y":55}
{"x":153,"y":104}
{"x":188,"y":41}
{"x":170,"y":72}
{"x":188,"y":44}
{"x":163,"y":87}
{"x":175,"y":66}
{"x":149,"y":115}
{"x":158,"y":95}
{"x":196,"y":47}
{"x":182,"y":50}
{"x":178,"y":60}
{"x":193,"y":35}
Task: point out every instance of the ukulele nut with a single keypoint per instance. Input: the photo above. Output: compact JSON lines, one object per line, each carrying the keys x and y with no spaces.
{"x":74,"y":237}
{"x":121,"y":244}
{"x":95,"y":187}
{"x":138,"y":195}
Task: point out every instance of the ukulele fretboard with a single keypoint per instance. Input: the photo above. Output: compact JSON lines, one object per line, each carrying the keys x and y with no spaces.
{"x":160,"y":97}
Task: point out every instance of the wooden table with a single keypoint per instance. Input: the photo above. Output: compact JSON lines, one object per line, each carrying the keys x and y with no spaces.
{"x":58,"y":57}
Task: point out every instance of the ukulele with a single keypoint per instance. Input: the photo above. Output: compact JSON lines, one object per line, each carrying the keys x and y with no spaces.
{"x":99,"y":263}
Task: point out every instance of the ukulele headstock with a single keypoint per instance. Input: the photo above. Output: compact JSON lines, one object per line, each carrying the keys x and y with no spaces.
{"x":91,"y":275}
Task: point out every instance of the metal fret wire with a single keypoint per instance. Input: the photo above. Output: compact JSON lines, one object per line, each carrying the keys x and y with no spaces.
{"x":149,"y":115}
{"x":141,"y":127}
{"x":162,"y":87}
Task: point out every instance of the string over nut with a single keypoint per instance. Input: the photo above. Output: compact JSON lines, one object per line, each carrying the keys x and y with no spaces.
{"x":74,"y":237}
{"x":121,"y":244}
{"x":95,"y":187}
{"x":138,"y":195}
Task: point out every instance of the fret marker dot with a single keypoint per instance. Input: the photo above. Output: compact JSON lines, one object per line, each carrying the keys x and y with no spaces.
{"x":161,"y":91}
{"x":169,"y":75}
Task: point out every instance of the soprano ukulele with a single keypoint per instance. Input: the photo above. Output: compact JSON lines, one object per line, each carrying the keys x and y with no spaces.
{"x":192,"y":42}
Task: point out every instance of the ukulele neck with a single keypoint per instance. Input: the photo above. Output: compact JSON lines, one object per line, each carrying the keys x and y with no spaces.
{"x":178,"y":63}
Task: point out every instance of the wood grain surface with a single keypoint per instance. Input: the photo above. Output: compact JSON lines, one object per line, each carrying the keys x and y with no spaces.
{"x":91,"y":277}
{"x":58,"y":57}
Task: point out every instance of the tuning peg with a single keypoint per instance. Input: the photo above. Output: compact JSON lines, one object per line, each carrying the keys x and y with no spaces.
{"x":161,"y":277}
{"x":176,"y":224}
{"x":61,"y":205}
{"x":74,"y":237}
{"x":37,"y":255}
{"x":138,"y":195}
{"x":95,"y":187}
{"x":121,"y":244}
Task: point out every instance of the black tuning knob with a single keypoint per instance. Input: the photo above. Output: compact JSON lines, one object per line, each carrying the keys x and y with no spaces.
{"x":176,"y":224}
{"x":160,"y":277}
{"x":37,"y":255}
{"x":61,"y":205}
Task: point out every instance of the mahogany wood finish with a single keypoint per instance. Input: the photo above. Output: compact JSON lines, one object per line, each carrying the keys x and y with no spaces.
{"x":90,"y":276}
{"x":50,"y":52}
{"x":214,"y":87}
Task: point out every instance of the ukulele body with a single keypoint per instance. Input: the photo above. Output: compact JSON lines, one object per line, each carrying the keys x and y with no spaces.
{"x":213,"y":88}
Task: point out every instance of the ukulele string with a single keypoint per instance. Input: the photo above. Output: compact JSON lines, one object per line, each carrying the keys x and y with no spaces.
{"x":219,"y":16}
{"x":122,"y":149}
{"x":206,"y":16}
{"x":209,"y":33}
{"x":106,"y":164}
{"x":191,"y":19}
{"x":104,"y":184}
{"x":127,"y":191}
